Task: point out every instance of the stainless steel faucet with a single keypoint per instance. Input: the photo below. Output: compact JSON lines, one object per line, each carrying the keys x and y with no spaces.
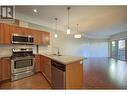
{"x":58,"y":51}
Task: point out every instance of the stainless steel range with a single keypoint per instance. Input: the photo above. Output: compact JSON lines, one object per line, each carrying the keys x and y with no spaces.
{"x":22,"y":64}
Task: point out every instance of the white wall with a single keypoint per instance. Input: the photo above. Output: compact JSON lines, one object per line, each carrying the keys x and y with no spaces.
{"x":99,"y":49}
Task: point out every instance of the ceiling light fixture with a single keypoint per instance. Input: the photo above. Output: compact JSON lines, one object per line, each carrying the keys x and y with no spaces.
{"x":35,"y":10}
{"x":55,"y":35}
{"x":77,"y":35}
{"x":68,"y":29}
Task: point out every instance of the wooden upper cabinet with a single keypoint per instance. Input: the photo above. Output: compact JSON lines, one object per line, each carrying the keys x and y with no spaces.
{"x":42,"y":38}
{"x":12,"y":29}
{"x":7,"y":37}
{"x":19,"y":31}
{"x":27,"y":31}
{"x":16,"y":30}
{"x":46,"y":38}
{"x":6,"y":32}
{"x":37,"y":37}
{"x":5,"y":68}
{"x":1,"y":34}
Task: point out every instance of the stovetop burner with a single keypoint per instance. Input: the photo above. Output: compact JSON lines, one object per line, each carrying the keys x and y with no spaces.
{"x":22,"y":52}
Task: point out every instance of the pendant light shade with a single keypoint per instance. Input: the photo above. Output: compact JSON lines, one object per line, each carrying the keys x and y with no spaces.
{"x":56,"y":35}
{"x":68,"y":29}
{"x":77,"y":35}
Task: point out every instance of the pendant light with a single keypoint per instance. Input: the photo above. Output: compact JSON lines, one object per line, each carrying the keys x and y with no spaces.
{"x":55,"y":35}
{"x":68,"y":28}
{"x":77,"y":35}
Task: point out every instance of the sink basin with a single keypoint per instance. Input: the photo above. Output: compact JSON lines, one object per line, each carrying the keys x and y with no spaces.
{"x":56,"y":54}
{"x":59,"y":55}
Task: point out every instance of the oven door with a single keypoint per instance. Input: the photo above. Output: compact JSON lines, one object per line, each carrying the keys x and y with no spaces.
{"x":21,"y":65}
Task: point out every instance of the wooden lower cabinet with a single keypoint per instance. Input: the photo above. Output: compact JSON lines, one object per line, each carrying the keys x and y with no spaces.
{"x":74,"y":75}
{"x":46,"y":67}
{"x":37,"y":63}
{"x":48,"y":70}
{"x":0,"y":71}
{"x":43,"y":65}
{"x":5,"y":68}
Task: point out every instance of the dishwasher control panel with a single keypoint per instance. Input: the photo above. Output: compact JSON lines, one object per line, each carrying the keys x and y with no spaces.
{"x":58,"y":65}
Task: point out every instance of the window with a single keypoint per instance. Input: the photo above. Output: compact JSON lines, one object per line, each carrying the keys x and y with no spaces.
{"x":121,"y":49}
{"x":114,"y":49}
{"x":118,"y":49}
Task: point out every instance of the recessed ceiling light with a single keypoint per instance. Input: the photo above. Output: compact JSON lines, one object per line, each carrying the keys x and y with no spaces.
{"x":35,"y":10}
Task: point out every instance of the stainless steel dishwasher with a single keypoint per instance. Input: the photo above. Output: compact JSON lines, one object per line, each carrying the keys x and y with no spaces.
{"x":58,"y":75}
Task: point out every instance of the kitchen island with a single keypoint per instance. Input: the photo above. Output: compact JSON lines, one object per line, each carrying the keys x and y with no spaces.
{"x":73,"y":72}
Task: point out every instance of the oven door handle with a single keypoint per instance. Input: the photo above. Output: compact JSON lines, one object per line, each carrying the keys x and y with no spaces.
{"x":16,"y":74}
{"x":16,"y":59}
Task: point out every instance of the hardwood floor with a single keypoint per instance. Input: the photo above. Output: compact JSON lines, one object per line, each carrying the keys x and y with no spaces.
{"x":99,"y":73}
{"x":36,"y":81}
{"x":105,"y":73}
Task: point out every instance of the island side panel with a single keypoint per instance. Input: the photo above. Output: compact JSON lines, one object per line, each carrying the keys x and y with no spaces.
{"x":74,"y":75}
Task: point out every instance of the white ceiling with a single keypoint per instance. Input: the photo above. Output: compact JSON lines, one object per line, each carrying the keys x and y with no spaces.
{"x":93,"y":20}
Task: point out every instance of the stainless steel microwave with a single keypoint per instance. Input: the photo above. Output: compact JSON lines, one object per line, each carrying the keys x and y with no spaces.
{"x":22,"y":39}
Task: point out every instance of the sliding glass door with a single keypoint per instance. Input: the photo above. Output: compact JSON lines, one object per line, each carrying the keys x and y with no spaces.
{"x":126,"y":49}
{"x":121,"y":50}
{"x":114,"y":49}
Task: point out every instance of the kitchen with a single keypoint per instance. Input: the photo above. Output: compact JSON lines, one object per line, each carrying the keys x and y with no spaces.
{"x":35,"y":46}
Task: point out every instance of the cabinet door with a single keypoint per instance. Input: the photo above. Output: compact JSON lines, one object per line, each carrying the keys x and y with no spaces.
{"x":42,"y":65}
{"x":37,"y":37}
{"x":5,"y":37}
{"x":47,"y":68}
{"x":46,"y":38}
{"x":74,"y":75}
{"x":27,"y":31}
{"x":12,"y":29}
{"x":18,"y":30}
{"x":1,"y":34}
{"x":48,"y":71}
{"x":6,"y":68}
{"x":0,"y":70}
{"x":37,"y":63}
